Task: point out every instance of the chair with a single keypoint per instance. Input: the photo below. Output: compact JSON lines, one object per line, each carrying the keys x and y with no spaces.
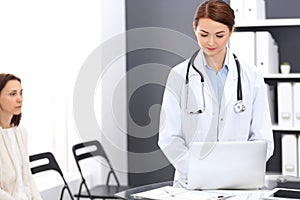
{"x":105,"y":191}
{"x":51,"y":165}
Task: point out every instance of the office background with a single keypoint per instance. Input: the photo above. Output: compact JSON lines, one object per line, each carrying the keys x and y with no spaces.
{"x":47,"y":43}
{"x":178,"y":15}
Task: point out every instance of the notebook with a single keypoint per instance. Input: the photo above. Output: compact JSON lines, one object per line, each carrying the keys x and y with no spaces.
{"x":227,"y":165}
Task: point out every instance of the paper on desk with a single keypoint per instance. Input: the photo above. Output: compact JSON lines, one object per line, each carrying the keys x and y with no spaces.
{"x":172,"y":193}
{"x":242,"y":194}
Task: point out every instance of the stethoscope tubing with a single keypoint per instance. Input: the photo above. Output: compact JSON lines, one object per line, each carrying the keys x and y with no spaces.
{"x":238,"y":107}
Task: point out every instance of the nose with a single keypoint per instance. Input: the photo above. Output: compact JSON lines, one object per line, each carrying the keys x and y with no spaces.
{"x":211,"y":40}
{"x":20,"y":98}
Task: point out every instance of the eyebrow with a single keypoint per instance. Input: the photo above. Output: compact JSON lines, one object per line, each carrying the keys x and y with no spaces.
{"x":216,"y":32}
{"x":14,"y":90}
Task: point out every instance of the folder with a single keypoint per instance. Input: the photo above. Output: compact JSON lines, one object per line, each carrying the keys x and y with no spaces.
{"x":243,"y":45}
{"x":289,"y":153}
{"x":285,"y":104}
{"x":270,"y":90}
{"x":238,"y":7}
{"x":254,"y":9}
{"x":267,"y":56}
{"x":296,"y":102}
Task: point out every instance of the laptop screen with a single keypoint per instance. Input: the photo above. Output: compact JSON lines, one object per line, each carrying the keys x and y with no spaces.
{"x":227,"y":165}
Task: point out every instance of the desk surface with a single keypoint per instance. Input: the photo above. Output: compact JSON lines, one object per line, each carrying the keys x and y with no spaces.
{"x":127,"y":193}
{"x":251,"y":195}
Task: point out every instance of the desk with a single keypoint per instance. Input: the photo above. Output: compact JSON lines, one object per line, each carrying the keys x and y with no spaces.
{"x":249,"y":195}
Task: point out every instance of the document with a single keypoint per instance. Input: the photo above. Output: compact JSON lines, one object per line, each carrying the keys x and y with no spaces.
{"x":172,"y":193}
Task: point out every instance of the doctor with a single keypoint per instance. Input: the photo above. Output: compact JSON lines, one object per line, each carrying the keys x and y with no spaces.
{"x":212,"y":96}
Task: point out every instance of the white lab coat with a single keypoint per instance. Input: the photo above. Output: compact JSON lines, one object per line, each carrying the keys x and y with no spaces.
{"x":178,"y":129}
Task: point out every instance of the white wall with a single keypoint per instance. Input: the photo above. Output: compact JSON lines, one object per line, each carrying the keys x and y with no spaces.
{"x":45,"y":43}
{"x":113,"y":86}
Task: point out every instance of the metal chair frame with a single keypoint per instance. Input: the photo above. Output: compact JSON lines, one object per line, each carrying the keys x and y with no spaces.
{"x":99,"y":151}
{"x":51,"y":165}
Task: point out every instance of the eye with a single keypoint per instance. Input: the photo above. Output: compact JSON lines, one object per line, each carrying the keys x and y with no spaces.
{"x":203,"y":35}
{"x":220,"y":36}
{"x":12,"y":94}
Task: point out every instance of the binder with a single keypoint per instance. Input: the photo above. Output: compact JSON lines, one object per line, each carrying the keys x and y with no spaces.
{"x":243,"y":45}
{"x":238,"y":7}
{"x":285,"y":104}
{"x":289,"y":153}
{"x":254,"y":9}
{"x":267,"y":56}
{"x":270,"y":90}
{"x":296,"y":102}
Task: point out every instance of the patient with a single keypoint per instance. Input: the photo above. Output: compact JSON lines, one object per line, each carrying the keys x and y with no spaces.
{"x":16,"y":180}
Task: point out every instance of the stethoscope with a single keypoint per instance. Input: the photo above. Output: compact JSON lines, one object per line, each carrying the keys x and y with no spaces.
{"x":239,"y":106}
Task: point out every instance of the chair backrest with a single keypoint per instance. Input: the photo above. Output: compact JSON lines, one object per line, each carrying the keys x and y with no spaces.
{"x":92,"y":149}
{"x":50,"y":165}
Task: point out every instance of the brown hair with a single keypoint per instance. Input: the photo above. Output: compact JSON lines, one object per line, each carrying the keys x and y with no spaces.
{"x":4,"y":78}
{"x":216,"y":10}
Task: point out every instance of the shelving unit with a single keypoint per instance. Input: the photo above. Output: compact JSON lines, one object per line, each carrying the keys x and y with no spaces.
{"x":268,"y":23}
{"x":277,"y":128}
{"x":274,"y":78}
{"x":285,"y":32}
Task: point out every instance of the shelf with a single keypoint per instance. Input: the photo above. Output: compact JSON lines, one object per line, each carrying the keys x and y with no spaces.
{"x":274,"y":78}
{"x":268,"y":22}
{"x":285,"y":129}
{"x":283,"y":76}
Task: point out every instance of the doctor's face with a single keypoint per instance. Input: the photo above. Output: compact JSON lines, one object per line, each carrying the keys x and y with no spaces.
{"x":212,"y":37}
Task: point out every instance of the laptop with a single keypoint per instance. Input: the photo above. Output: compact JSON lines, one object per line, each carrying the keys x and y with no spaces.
{"x":227,"y":165}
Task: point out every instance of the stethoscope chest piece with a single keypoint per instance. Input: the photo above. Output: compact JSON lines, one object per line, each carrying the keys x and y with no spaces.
{"x":239,"y":107}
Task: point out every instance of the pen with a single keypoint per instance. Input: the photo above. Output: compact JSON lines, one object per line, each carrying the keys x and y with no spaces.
{"x":169,"y":193}
{"x":222,"y":197}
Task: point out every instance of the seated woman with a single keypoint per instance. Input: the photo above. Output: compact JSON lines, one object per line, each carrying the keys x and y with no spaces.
{"x":16,"y":180}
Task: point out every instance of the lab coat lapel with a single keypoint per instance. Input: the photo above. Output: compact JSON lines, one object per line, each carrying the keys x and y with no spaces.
{"x":208,"y":88}
{"x":230,"y":87}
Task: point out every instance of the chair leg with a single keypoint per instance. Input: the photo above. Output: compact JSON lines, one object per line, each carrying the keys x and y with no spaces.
{"x":79,"y":192}
{"x":62,"y":193}
{"x":87,"y":190}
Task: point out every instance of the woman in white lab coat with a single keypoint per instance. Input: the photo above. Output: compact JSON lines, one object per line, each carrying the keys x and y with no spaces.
{"x":218,"y":112}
